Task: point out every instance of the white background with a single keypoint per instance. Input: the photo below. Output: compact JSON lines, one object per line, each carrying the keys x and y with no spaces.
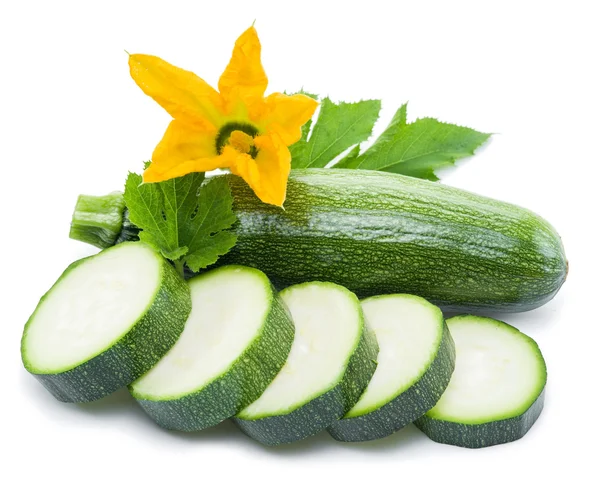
{"x":72,"y":121}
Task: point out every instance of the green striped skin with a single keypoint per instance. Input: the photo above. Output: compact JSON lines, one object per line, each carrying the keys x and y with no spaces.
{"x":485,"y":432}
{"x":407,"y":406}
{"x":481,"y":435}
{"x":380,"y":233}
{"x":324,"y":409}
{"x":243,"y":382}
{"x":155,"y":332}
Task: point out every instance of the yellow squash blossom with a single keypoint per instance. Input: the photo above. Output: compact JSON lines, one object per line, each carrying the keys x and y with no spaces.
{"x":236,"y":128}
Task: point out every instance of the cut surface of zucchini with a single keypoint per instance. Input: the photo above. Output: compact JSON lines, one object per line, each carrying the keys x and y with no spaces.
{"x":497,"y":390}
{"x":330,"y":363}
{"x":107,"y":320}
{"x":414,"y":366}
{"x":235,"y":341}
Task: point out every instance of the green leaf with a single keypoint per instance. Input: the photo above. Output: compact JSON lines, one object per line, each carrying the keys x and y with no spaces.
{"x":338,"y":127}
{"x":400,"y":116}
{"x":304,"y":92}
{"x":183,"y":219}
{"x":207,"y":238}
{"x":148,"y":211}
{"x":349,"y":158}
{"x":416,"y":149}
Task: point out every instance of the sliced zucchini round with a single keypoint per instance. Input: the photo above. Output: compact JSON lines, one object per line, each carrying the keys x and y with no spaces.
{"x":497,"y":390}
{"x":414,"y":366}
{"x":106,"y":321}
{"x":235,"y":341}
{"x":333,"y":357}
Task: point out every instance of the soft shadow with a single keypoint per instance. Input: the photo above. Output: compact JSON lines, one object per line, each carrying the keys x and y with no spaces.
{"x":223,"y":432}
{"x":405,"y":439}
{"x":115,"y":406}
{"x":321,"y":442}
{"x":120,"y":404}
{"x":529,"y":321}
{"x":228,"y":431}
{"x":539,"y":319}
{"x":116,"y":402}
{"x":443,"y":173}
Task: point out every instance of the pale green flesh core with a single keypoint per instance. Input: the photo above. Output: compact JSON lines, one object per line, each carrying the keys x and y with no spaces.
{"x":328,"y":323}
{"x":229,"y":307}
{"x":499,"y":372}
{"x":409,"y":331}
{"x":91,"y":308}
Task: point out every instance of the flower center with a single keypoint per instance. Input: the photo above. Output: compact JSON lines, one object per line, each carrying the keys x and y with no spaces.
{"x":238,"y":135}
{"x":241,"y":141}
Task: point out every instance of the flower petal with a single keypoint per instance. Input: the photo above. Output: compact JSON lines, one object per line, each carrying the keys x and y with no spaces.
{"x":181,"y":93}
{"x":267,"y":174}
{"x":185,"y":148}
{"x":286,"y":114}
{"x":244,"y":80}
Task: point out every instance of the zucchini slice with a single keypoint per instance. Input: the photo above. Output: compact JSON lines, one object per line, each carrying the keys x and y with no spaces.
{"x":497,"y":390}
{"x":106,"y":321}
{"x":415,"y":363}
{"x":235,"y":341}
{"x":333,"y":358}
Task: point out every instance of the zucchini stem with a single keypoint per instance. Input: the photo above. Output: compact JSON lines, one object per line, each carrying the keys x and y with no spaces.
{"x":98,"y":220}
{"x":102,"y":221}
{"x":179,"y":266}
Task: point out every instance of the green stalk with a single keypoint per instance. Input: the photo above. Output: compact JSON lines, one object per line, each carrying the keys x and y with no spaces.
{"x":179,"y":266}
{"x":102,"y":221}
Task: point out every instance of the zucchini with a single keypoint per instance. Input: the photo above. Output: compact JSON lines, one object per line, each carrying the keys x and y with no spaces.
{"x":380,"y":233}
{"x":497,"y":390}
{"x":415,"y":363}
{"x":106,"y":321}
{"x":333,"y":357}
{"x":235,"y":341}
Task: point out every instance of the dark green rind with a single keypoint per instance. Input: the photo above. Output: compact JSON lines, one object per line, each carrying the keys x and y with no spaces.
{"x":301,"y":423}
{"x":324,"y":410}
{"x":408,"y":406}
{"x":361,"y":367}
{"x":239,"y":387}
{"x":484,"y":434}
{"x":130,"y":357}
{"x":379,"y":233}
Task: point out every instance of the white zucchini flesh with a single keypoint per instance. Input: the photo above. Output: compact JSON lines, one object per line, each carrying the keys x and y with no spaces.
{"x":409,"y":332}
{"x":332,"y":359}
{"x":498,"y":373}
{"x":235,"y":341}
{"x":105,"y":322}
{"x":91,"y":308}
{"x":497,"y":389}
{"x":414,"y":365}
{"x":327,"y":329}
{"x":227,"y":314}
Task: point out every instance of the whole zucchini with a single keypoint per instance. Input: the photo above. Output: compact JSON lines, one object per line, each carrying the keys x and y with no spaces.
{"x":381,"y":233}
